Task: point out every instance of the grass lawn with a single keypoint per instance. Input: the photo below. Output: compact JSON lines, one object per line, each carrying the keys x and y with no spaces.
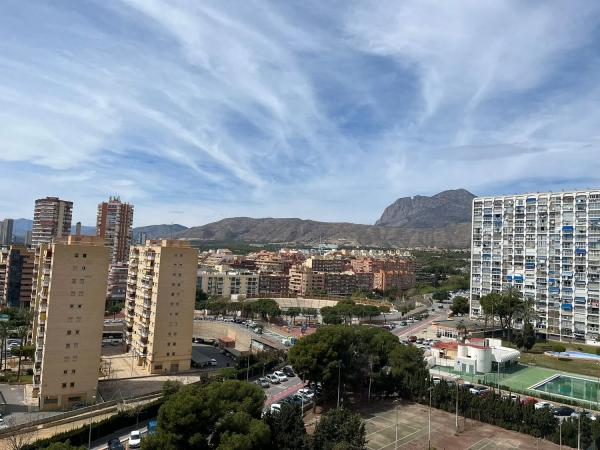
{"x":588,"y":368}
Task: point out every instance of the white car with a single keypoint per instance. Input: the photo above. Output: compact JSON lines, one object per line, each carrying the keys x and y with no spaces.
{"x":273,"y":379}
{"x":306,"y":393}
{"x":275,"y":407}
{"x":436,"y":380}
{"x":541,"y":405}
{"x":213,"y":362}
{"x":135,"y":439}
{"x":280,"y":375}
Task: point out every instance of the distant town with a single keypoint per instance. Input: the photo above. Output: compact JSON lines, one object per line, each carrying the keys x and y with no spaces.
{"x":108,"y":327}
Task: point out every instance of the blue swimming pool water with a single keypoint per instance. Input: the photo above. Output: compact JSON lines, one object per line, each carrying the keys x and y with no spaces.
{"x":580,"y":355}
{"x":567,"y":386}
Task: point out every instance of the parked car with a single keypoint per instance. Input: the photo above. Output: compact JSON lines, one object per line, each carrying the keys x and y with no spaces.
{"x":511,"y":396}
{"x":479,"y":390}
{"x":528,"y":401}
{"x":275,"y":408}
{"x":288,"y":371}
{"x":412,"y":339}
{"x":115,"y":444}
{"x":563,"y":411}
{"x":135,"y":439}
{"x":279,"y":374}
{"x":213,"y":362}
{"x":306,"y":393}
{"x":543,"y":404}
{"x":273,"y":379}
{"x":591,"y":416}
{"x":436,"y":380}
{"x":263,"y":382}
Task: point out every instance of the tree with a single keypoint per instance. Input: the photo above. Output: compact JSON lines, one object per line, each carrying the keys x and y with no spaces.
{"x":267,"y":308}
{"x":26,"y":351}
{"x":201,"y":299}
{"x":489,"y":305}
{"x":460,"y":305}
{"x":462,"y":330}
{"x":287,"y":428}
{"x":114,"y":310}
{"x":292,"y":312}
{"x":330,"y":316}
{"x":25,"y":320}
{"x":441,"y":295}
{"x":4,"y":333}
{"x":527,"y":340}
{"x":215,"y":416}
{"x":340,"y":426}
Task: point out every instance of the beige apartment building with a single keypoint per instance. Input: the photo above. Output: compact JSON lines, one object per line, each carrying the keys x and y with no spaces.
{"x":69,"y":295}
{"x":224,"y":282}
{"x":161,"y":293}
{"x":114,"y":222}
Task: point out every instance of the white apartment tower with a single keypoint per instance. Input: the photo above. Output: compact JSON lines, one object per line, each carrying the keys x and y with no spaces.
{"x":547,"y":245}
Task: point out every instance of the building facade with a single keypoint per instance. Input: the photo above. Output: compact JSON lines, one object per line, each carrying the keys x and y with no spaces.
{"x":225,"y":283}
{"x":116,"y":288}
{"x":51,"y":219}
{"x":161,"y":293}
{"x":546,"y":245}
{"x":320,"y":264}
{"x":114,"y":222}
{"x":273,"y":283}
{"x":70,"y":286}
{"x":6,"y":231}
{"x":18,"y":280}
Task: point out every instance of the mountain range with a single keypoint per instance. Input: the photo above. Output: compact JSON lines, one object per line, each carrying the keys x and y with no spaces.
{"x":442,"y":220}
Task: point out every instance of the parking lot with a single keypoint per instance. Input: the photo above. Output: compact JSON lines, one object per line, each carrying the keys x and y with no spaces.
{"x":206,"y":352}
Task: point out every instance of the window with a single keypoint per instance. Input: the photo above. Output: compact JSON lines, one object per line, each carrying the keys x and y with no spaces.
{"x":64,"y":385}
{"x":68,"y":332}
{"x":79,"y":306}
{"x":76,"y":255}
{"x":71,"y":305}
{"x":85,"y":255}
{"x":68,"y":346}
{"x":76,"y":331}
{"x":75,"y":358}
{"x":73,"y":371}
{"x":81,"y":280}
{"x":82,"y":267}
{"x":73,"y":280}
{"x":72,"y":294}
{"x":72,"y":384}
{"x":65,"y":371}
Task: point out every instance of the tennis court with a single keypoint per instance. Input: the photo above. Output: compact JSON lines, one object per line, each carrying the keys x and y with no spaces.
{"x":413,"y":430}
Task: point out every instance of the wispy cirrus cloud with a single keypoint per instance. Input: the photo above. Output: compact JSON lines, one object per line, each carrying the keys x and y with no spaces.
{"x":318,"y":110}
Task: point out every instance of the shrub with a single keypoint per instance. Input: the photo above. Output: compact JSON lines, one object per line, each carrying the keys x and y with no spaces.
{"x":559,"y":348}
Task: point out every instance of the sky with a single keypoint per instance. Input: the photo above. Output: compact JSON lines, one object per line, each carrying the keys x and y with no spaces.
{"x":195,"y":111}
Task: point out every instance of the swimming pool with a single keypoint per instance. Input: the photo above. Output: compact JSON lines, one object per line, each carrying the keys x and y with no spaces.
{"x":573,"y":387}
{"x":577,"y":355}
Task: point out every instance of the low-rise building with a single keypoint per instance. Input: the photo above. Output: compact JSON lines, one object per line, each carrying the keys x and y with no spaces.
{"x":475,"y":355}
{"x":274,"y":284}
{"x":225,"y":283}
{"x":340,"y":284}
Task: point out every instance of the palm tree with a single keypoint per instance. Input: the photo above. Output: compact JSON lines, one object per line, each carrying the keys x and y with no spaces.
{"x":462,"y":330}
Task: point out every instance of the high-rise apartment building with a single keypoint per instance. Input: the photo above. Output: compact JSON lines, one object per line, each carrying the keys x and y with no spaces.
{"x":114,"y":222}
{"x":161,"y":293}
{"x":6,"y":231}
{"x":117,"y":284}
{"x":548,"y":247}
{"x":19,"y":277}
{"x":51,"y":219}
{"x":70,"y":287}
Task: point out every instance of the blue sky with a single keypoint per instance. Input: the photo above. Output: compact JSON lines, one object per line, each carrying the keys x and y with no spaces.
{"x":196,"y":111}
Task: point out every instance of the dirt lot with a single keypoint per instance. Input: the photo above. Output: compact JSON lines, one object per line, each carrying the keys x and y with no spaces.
{"x":413,"y":431}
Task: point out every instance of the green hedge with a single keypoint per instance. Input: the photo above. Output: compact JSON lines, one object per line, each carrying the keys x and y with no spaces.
{"x":80,"y":435}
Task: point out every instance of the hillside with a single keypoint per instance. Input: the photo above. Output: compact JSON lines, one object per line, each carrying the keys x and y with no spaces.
{"x":271,"y":230}
{"x":159,"y":231}
{"x":437,"y":211}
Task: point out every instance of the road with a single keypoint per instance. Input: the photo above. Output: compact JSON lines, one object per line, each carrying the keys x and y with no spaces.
{"x":419,"y":326}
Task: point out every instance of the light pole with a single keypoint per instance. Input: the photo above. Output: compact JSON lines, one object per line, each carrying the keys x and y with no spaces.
{"x":396,"y":441}
{"x":339,"y":376}
{"x":457,"y":381}
{"x":429,"y":439}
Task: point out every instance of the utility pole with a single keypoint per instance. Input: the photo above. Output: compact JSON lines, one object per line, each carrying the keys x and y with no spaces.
{"x":396,"y":441}
{"x":339,"y":376}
